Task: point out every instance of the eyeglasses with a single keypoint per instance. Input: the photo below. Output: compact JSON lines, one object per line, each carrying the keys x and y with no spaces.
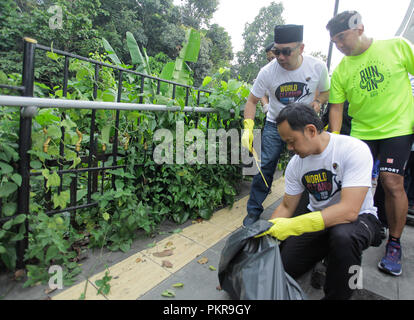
{"x":285,"y":51}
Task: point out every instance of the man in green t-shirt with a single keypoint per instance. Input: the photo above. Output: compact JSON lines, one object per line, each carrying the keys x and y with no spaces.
{"x":373,"y":77}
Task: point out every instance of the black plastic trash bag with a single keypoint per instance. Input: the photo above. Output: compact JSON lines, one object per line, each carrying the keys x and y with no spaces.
{"x":252,"y":269}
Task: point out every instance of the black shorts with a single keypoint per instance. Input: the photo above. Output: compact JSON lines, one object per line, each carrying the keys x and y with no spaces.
{"x":393,"y":153}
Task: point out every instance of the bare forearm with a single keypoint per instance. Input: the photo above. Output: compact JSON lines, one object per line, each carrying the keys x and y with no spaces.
{"x":347,"y":209}
{"x":287,"y":207}
{"x":338,"y":214}
{"x":335,"y":117}
{"x":250,"y":107}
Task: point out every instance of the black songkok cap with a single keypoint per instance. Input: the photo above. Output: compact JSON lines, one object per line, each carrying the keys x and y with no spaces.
{"x":288,"y":33}
{"x":344,"y":21}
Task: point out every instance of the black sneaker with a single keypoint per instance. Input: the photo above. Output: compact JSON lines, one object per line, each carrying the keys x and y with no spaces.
{"x":250,"y":219}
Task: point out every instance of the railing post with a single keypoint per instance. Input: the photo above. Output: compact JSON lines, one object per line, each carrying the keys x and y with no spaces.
{"x":25,"y":133}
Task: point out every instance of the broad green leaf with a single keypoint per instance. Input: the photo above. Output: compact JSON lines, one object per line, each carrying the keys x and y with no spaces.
{"x":8,"y":224}
{"x":76,"y":161}
{"x":8,"y":153}
{"x":52,"y":55}
{"x":105,"y":134}
{"x":9,"y":209}
{"x":61,"y":200}
{"x":5,"y":168}
{"x":68,"y":124}
{"x":51,"y":253}
{"x":45,"y":117}
{"x":17,"y":178}
{"x":167,"y":74}
{"x":108,"y":96}
{"x":233,"y":85}
{"x":35,"y":164}
{"x":136,"y":55}
{"x":54,"y":132}
{"x":53,"y":180}
{"x":111,"y":52}
{"x":207,"y":80}
{"x":125,"y":247}
{"x":2,"y":250}
{"x":192,"y":48}
{"x":7,"y":189}
{"x":19,"y":219}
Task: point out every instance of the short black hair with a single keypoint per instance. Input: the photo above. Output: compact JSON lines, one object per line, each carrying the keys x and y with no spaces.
{"x":270,"y":47}
{"x":299,"y":115}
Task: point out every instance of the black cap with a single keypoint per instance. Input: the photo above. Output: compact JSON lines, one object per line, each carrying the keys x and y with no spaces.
{"x":288,"y":33}
{"x":344,"y":21}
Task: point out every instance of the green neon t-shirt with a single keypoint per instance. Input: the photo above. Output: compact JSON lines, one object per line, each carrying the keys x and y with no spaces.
{"x":378,"y":89}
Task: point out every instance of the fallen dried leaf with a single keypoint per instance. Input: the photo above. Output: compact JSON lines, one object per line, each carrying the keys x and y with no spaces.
{"x":164,"y":253}
{"x":169,"y":244}
{"x":203,"y":260}
{"x":166,"y":264}
{"x":138,"y":260}
{"x":19,"y":274}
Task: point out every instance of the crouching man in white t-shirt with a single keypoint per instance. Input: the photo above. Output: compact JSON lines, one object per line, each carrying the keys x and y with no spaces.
{"x":336,"y":171}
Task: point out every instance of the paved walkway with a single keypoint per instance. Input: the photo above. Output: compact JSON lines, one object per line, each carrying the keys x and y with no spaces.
{"x":183,"y":264}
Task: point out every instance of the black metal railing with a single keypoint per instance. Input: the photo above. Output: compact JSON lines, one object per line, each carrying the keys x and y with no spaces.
{"x":89,"y":162}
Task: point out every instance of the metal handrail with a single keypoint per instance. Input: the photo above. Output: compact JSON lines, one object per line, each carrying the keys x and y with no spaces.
{"x":95,"y":105}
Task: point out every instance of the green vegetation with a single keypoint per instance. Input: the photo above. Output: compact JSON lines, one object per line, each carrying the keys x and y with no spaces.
{"x":154,"y":37}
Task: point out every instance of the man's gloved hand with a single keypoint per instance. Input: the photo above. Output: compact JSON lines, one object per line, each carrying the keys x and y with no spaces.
{"x":266,"y":108}
{"x":285,"y":227}
{"x":247,"y":137}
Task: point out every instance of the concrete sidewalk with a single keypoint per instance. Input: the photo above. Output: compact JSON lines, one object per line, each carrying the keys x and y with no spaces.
{"x":189,"y":258}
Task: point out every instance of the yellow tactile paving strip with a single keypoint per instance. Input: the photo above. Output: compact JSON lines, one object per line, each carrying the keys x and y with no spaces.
{"x":136,"y":275}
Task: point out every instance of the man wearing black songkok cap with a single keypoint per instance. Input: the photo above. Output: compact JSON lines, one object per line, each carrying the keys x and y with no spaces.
{"x":373,"y":77}
{"x":291,"y":77}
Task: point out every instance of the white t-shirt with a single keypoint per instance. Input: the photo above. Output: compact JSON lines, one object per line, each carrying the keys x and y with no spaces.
{"x":286,"y":86}
{"x":345,"y":162}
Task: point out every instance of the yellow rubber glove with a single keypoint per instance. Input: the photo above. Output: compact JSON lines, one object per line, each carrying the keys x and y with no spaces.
{"x":247,"y":137}
{"x":285,"y":227}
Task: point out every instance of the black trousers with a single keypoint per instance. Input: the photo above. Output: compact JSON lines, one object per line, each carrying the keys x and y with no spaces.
{"x":341,"y":245}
